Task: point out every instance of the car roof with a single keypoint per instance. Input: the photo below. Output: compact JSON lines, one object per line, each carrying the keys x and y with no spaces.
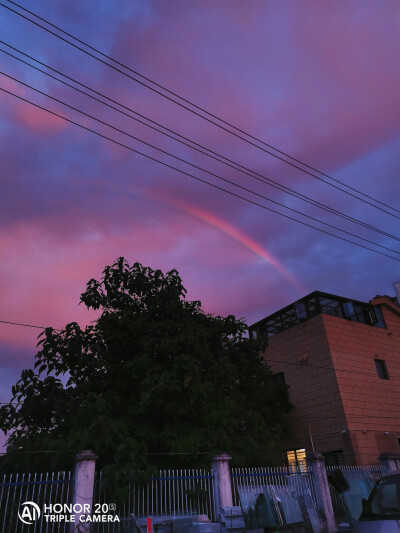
{"x":393,"y":473}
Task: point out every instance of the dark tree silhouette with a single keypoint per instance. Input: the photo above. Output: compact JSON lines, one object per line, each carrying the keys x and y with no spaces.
{"x":154,"y":375}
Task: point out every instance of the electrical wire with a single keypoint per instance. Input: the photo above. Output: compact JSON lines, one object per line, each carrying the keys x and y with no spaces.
{"x":196,"y":453}
{"x":241,"y":454}
{"x":335,"y":369}
{"x":267,"y":359}
{"x":198,"y":147}
{"x":199,"y":108}
{"x":346,"y":415}
{"x":199,"y":168}
{"x":293,"y":414}
{"x":37,"y":451}
{"x":27,"y":325}
{"x":237,"y":453}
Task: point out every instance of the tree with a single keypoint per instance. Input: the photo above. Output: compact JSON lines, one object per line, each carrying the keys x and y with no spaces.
{"x":154,"y":375}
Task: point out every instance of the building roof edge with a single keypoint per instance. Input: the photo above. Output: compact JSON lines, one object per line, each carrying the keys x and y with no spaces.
{"x":384,"y":300}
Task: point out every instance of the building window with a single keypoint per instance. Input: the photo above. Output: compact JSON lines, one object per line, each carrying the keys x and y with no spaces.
{"x":297,"y":458}
{"x":254,"y":334}
{"x":380,"y":322}
{"x":301,"y":311}
{"x":278,"y":379}
{"x":335,"y":458}
{"x":381,"y":369}
{"x":348,"y":309}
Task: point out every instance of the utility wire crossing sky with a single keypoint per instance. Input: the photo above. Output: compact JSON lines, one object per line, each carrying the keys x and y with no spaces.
{"x":300,"y":99}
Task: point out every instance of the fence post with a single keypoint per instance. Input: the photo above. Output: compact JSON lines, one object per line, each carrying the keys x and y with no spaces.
{"x":85,"y":463}
{"x":222,"y":483}
{"x":316,"y":462}
{"x":390,"y":461}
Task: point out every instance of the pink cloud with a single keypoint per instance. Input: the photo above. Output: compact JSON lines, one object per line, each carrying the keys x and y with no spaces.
{"x":38,"y":121}
{"x":315,"y":81}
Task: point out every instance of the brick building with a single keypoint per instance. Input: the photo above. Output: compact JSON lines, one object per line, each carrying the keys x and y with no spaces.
{"x":341,"y":360}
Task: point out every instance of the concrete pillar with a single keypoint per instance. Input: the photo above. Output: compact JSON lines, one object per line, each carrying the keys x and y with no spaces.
{"x":316,"y":464}
{"x":222,"y":483}
{"x":390,"y":461}
{"x":85,"y":464}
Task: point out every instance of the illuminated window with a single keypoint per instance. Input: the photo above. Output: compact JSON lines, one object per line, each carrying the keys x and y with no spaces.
{"x":297,"y":458}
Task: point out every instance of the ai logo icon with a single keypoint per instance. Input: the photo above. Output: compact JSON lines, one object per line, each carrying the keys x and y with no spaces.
{"x":29,"y":513}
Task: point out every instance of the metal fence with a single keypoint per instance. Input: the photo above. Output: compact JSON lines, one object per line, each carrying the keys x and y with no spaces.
{"x":279,"y":476}
{"x":340,"y":507}
{"x":171,"y":493}
{"x":42,"y":489}
{"x":185,"y":492}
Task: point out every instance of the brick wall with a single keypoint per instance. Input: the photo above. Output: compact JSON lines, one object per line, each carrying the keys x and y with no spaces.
{"x":314,"y":391}
{"x":348,"y":395}
{"x":371,"y":404}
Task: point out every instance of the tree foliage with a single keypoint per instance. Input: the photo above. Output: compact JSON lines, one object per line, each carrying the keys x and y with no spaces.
{"x":153,"y":381}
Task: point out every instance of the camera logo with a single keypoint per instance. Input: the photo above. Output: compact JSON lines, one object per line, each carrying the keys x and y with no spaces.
{"x":29,"y":513}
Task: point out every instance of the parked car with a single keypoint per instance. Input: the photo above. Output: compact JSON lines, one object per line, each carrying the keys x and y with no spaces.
{"x":381,"y":511}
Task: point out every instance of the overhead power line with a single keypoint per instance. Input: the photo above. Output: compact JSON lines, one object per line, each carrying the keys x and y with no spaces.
{"x":200,"y":179}
{"x":226,"y":161}
{"x":267,"y":359}
{"x":37,"y":451}
{"x":324,"y":367}
{"x":292,"y":413}
{"x":266,"y":453}
{"x":27,"y":325}
{"x":203,"y":170}
{"x":175,"y":95}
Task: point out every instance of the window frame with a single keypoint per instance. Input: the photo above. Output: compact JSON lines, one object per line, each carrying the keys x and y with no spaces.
{"x":381,"y":368}
{"x":300,"y":460}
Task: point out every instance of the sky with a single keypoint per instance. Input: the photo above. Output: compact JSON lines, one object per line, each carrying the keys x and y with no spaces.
{"x":316,"y":80}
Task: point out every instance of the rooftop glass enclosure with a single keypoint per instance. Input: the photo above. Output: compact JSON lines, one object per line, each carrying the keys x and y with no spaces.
{"x":315,"y":304}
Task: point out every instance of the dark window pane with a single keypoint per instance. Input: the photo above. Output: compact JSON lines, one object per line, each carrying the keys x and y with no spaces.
{"x":370,"y":316}
{"x":262,"y":331}
{"x":381,"y":369}
{"x":380,"y":323}
{"x":335,"y":458}
{"x":301,"y":311}
{"x":254,"y":334}
{"x":279,"y":378}
{"x":348,"y":309}
{"x":313,"y":307}
{"x":385,"y":500}
{"x":330,"y":307}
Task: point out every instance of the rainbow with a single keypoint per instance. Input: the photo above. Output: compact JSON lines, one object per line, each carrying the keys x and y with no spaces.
{"x":240,"y":237}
